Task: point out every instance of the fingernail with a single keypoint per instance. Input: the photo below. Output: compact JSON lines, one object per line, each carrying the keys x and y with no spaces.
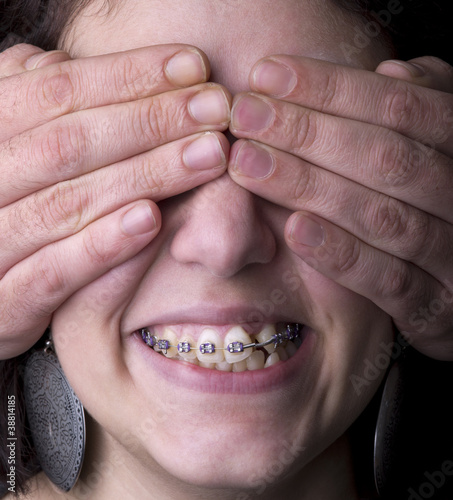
{"x":252,"y":114}
{"x":414,"y":69}
{"x":46,"y":59}
{"x":274,"y":78}
{"x":253,"y":161}
{"x":204,"y":153}
{"x":139,"y":220}
{"x":307,"y":232}
{"x":210,"y":107}
{"x":186,"y":68}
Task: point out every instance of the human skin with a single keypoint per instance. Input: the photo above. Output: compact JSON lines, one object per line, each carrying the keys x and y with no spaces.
{"x":58,"y":127}
{"x":172,"y":430}
{"x":222,"y":272}
{"x":41,"y":130}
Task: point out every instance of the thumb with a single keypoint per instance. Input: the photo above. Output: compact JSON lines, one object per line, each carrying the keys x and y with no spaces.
{"x":427,"y":71}
{"x":23,"y":57}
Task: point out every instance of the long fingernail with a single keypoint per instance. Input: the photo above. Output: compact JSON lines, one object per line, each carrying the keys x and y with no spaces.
{"x":253,"y":161}
{"x":251,"y":114}
{"x":186,"y":68}
{"x":274,"y":78}
{"x":139,"y":220}
{"x":204,"y":153}
{"x":210,"y":107}
{"x":307,"y":232}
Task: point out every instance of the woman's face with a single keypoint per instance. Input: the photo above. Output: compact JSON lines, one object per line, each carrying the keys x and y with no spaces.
{"x":219,"y":263}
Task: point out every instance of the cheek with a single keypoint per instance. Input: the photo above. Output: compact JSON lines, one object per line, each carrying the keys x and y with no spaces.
{"x":86,"y":333}
{"x":357,"y":339}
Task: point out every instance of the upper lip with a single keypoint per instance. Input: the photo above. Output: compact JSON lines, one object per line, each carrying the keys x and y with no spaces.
{"x":209,"y":314}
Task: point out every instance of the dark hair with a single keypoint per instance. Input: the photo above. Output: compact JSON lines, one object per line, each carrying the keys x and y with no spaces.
{"x":37,"y":22}
{"x":419,"y":28}
{"x":416,"y":27}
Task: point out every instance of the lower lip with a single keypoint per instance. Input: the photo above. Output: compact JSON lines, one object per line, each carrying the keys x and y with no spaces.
{"x":195,"y":378}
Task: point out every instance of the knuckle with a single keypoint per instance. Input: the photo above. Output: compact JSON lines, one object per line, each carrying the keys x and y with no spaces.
{"x":60,"y":207}
{"x":396,"y":162}
{"x":397,"y":281}
{"x":92,"y":248}
{"x":324,"y":88}
{"x":44,"y":279}
{"x":129,"y":78}
{"x":303,"y":131}
{"x":61,"y":147}
{"x":389,"y":219}
{"x":55,"y":90}
{"x":402,"y":108}
{"x":426,"y":238}
{"x":152,"y":124}
{"x":305,"y":189}
{"x":49,"y":277}
{"x":146,"y":178}
{"x":440,"y":65}
{"x":348,"y":257}
{"x":409,"y":230}
{"x":16,"y":53}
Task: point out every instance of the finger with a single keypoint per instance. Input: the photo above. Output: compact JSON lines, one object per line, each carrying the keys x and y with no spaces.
{"x":38,"y":285}
{"x":82,"y":142}
{"x":416,"y":112}
{"x":66,"y":208}
{"x":429,"y":72}
{"x":399,"y":288}
{"x":23,"y":57}
{"x":383,"y":160}
{"x":36,"y":97}
{"x":381,"y":221}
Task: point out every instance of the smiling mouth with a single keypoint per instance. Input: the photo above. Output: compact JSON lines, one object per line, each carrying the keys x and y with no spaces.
{"x":239,"y":351}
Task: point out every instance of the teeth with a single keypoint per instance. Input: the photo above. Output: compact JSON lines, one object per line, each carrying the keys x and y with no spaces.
{"x":210,"y":366}
{"x":191,"y":361}
{"x":170,"y":335}
{"x":231,"y":354}
{"x":256,"y":360}
{"x":224,"y":366}
{"x":209,"y":338}
{"x":297,"y":342}
{"x":234,"y":338}
{"x":271,"y":360}
{"x":266,"y":334}
{"x":282,"y":354}
{"x":240,"y":366}
{"x":290,"y":349}
{"x":192,"y":354}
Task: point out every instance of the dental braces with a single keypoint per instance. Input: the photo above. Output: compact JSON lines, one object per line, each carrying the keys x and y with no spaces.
{"x":292,"y":331}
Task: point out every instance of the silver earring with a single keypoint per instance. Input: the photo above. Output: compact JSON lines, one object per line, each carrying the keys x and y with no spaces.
{"x":389,"y":424}
{"x":56,"y":418}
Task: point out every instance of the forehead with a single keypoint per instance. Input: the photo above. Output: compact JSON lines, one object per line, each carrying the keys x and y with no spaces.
{"x":233,"y":33}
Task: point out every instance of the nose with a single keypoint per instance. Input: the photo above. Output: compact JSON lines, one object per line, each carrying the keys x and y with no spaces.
{"x":223,"y":230}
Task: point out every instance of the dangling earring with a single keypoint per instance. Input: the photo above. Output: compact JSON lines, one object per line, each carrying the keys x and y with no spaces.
{"x":56,"y":418}
{"x":389,"y":425}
